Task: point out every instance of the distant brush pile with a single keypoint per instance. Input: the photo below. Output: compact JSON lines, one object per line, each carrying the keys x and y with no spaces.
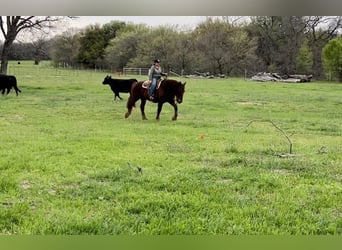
{"x":274,"y":77}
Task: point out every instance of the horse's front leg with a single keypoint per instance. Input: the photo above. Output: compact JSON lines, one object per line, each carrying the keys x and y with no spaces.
{"x":175,"y":107}
{"x":142,"y":108}
{"x":160,"y":106}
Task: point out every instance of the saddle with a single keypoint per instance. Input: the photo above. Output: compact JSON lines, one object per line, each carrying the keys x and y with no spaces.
{"x":146,"y":84}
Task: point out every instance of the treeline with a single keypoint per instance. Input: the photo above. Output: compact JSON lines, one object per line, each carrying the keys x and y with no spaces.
{"x":230,"y":46}
{"x":38,"y":51}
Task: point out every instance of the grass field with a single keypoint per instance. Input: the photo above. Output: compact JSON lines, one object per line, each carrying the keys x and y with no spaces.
{"x":71,"y":164}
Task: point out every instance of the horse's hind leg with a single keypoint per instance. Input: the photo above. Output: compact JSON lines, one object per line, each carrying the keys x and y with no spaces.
{"x":128,"y":113}
{"x":130,"y":105}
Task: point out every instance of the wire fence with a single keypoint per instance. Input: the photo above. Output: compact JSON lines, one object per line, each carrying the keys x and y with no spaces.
{"x":135,"y":71}
{"x":50,"y":70}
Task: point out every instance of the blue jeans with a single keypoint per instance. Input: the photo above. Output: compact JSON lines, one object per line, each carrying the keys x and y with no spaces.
{"x":153,"y":86}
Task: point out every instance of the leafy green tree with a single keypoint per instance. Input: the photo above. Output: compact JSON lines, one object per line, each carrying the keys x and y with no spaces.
{"x":155,"y":43}
{"x":111,"y":30}
{"x":163,"y":45}
{"x":304,"y":60}
{"x":144,"y":51}
{"x":332,"y":57}
{"x":94,"y":41}
{"x":92,"y":46}
{"x":121,"y":50}
{"x":212,"y":39}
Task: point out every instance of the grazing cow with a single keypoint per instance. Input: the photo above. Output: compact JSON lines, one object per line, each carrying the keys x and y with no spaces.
{"x":7,"y":82}
{"x":119,"y":85}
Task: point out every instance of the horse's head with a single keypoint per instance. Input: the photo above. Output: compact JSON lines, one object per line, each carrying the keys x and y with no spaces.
{"x":107,"y":79}
{"x":180,"y":92}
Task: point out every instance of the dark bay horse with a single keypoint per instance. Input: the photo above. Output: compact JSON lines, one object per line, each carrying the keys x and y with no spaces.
{"x":170,"y":91}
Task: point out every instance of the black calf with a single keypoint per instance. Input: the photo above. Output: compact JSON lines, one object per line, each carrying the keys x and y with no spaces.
{"x":119,"y":85}
{"x":7,"y":82}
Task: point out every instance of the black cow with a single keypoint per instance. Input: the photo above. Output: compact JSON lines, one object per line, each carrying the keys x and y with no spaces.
{"x":7,"y":82}
{"x":119,"y":85}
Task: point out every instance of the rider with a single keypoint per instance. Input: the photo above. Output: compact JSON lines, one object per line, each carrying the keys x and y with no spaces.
{"x":154,"y":76}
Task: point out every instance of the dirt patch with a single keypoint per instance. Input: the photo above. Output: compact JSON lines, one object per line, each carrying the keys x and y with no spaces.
{"x":251,"y":103}
{"x":225,"y":180}
{"x":281,"y":171}
{"x":25,"y":185}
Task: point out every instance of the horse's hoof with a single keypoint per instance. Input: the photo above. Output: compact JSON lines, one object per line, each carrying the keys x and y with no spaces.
{"x":126,"y":115}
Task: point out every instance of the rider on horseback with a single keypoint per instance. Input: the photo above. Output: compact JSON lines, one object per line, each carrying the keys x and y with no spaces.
{"x":154,"y":75}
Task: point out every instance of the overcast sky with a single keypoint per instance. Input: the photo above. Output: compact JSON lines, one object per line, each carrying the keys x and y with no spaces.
{"x":183,"y":22}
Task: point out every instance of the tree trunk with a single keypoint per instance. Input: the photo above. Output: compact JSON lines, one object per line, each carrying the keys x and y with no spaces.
{"x":5,"y":52}
{"x":3,"y":69}
{"x":4,"y":61}
{"x":317,"y":67}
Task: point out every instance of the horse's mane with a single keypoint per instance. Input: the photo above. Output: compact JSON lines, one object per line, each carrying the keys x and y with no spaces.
{"x":172,"y":82}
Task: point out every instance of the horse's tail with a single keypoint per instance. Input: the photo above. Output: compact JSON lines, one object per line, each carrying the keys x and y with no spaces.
{"x":130,"y":102}
{"x":131,"y":98}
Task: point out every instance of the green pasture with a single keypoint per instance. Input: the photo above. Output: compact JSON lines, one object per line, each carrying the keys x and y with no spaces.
{"x":71,"y":164}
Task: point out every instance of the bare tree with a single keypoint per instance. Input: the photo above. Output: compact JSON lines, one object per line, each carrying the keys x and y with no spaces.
{"x":321,"y":29}
{"x":65,"y":48}
{"x":224,"y":45}
{"x":40,"y":49}
{"x":11,"y":26}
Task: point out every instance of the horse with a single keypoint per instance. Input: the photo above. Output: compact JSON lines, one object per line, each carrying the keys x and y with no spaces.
{"x":168,"y":90}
